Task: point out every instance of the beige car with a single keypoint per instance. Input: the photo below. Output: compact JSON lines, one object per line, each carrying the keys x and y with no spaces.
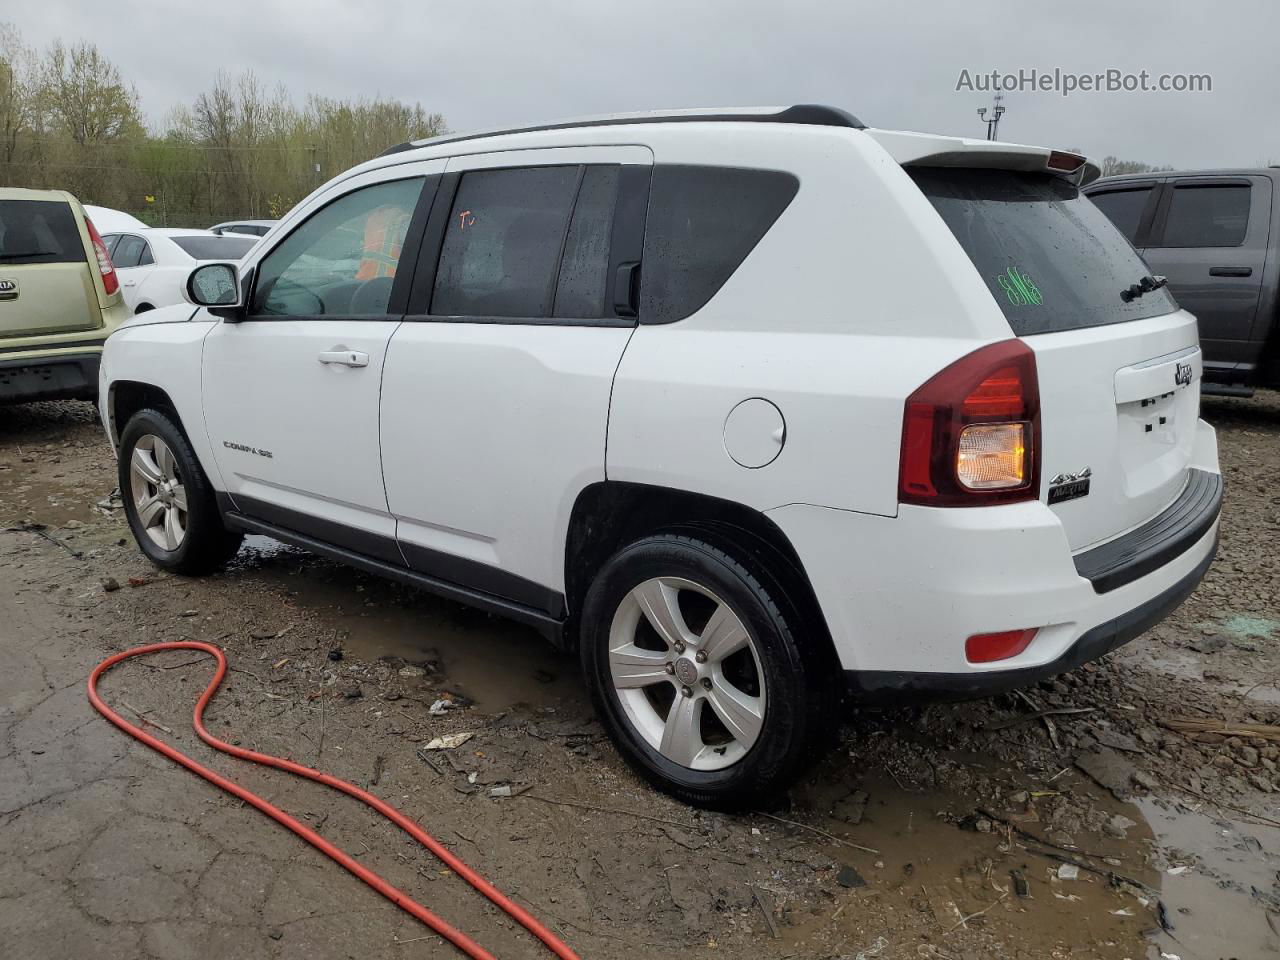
{"x":59,"y":297}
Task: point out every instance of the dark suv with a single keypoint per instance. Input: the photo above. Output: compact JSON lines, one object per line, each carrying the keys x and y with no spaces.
{"x":1214,"y":234}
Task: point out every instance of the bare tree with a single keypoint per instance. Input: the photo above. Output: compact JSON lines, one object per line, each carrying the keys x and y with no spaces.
{"x":1114,"y":167}
{"x":19,"y":89}
{"x":86,"y":96}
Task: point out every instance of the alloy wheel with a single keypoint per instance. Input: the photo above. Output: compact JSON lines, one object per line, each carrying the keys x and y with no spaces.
{"x":687,"y":673}
{"x":159,"y":495}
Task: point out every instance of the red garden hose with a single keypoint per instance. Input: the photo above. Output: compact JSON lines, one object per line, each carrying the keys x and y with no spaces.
{"x":396,"y":896}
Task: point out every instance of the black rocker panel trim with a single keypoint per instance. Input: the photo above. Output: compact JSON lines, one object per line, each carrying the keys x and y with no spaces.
{"x":466,"y":581}
{"x":328,"y":531}
{"x":1161,"y":539}
{"x":482,"y":577}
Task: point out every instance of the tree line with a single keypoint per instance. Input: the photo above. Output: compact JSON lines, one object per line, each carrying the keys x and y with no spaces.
{"x":69,"y":120}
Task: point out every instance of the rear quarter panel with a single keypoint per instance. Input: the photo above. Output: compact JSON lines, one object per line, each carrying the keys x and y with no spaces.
{"x":855,"y":296}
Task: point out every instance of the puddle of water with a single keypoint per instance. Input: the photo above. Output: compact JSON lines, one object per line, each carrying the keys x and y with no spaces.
{"x":1219,"y":904}
{"x":927,"y":865}
{"x":1188,"y":667}
{"x":47,"y":502}
{"x":495,"y":662}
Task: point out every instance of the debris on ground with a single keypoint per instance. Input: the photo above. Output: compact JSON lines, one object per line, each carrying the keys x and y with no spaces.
{"x":450,"y":741}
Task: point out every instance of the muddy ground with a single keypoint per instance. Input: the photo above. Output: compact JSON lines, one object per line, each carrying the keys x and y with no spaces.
{"x":1112,"y":827}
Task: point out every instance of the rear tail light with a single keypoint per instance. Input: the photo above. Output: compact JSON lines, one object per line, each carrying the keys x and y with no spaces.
{"x":110,"y":282}
{"x":970,"y":435}
{"x":988,"y":647}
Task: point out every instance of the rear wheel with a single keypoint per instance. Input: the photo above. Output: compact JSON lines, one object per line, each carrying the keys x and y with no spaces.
{"x":697,"y":673}
{"x":168,"y":500}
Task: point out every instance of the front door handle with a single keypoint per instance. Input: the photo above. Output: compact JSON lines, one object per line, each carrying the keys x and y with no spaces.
{"x":1231,"y":271}
{"x":347,"y":358}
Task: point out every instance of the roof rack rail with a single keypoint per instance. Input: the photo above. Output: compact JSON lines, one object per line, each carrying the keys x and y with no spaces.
{"x":815,"y":114}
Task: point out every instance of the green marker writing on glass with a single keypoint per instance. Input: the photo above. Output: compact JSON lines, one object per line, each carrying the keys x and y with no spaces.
{"x":1017,"y":286}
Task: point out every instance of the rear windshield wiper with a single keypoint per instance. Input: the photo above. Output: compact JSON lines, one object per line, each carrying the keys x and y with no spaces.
{"x":1145,"y":285}
{"x":23,"y":254}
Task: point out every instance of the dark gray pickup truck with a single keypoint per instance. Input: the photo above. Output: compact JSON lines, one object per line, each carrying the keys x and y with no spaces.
{"x":1214,"y":234}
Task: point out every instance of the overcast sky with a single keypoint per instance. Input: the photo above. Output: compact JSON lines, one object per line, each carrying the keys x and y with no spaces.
{"x":484,"y":63}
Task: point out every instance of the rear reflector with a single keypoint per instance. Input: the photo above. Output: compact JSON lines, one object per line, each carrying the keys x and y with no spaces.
{"x":987,"y":647}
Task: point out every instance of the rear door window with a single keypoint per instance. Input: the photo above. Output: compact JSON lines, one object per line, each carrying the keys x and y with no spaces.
{"x":584,"y":270}
{"x":128,"y":252}
{"x":503,"y":243}
{"x":1124,"y":208}
{"x":39,"y":231}
{"x":1207,"y":216}
{"x":1051,"y":259}
{"x":703,"y":221}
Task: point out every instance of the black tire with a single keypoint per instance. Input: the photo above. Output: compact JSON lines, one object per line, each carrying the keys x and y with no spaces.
{"x":798,"y":715}
{"x":207,"y":544}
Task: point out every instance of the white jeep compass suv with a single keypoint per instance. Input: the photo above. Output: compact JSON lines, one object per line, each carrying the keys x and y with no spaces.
{"x":756,"y":409}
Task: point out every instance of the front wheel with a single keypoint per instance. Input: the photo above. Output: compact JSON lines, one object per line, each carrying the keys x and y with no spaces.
{"x":697,"y":674}
{"x":168,"y":500}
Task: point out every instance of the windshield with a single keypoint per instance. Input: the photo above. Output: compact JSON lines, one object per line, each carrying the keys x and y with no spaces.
{"x":215,"y":248}
{"x":39,"y":231}
{"x":1052,"y":260}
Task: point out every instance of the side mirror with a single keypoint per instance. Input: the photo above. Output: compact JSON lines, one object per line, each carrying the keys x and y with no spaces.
{"x":214,"y":285}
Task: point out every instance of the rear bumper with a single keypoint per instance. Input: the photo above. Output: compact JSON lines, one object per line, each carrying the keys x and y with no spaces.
{"x":59,"y":377}
{"x":886,"y":686}
{"x":1162,"y":538}
{"x":900,"y":595}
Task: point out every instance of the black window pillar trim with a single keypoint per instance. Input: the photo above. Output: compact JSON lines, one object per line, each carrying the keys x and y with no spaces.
{"x":401,"y":289}
{"x":428,"y":260}
{"x":626,"y":245}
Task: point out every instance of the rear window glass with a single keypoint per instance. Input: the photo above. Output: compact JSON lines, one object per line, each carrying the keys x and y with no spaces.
{"x":703,"y":221}
{"x":215,"y":248}
{"x":39,"y":231}
{"x":1051,"y":259}
{"x":1123,"y":208}
{"x":1215,"y":216}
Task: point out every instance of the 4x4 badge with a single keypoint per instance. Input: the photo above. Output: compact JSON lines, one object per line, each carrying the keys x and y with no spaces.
{"x":1182,"y":375}
{"x":8,"y":289}
{"x":1069,"y":486}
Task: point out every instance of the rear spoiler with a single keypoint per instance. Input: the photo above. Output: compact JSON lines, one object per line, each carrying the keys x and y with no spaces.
{"x":926,"y":150}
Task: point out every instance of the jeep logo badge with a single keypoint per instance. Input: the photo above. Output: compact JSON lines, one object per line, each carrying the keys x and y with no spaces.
{"x":8,"y":289}
{"x":1182,"y":376}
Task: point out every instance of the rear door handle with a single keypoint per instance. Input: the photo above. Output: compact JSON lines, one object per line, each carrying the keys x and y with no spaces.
{"x":1231,"y":271}
{"x":347,"y":358}
{"x":626,"y":289}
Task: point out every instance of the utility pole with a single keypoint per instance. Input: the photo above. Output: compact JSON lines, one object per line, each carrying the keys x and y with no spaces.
{"x":997,"y":111}
{"x":315,"y":167}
